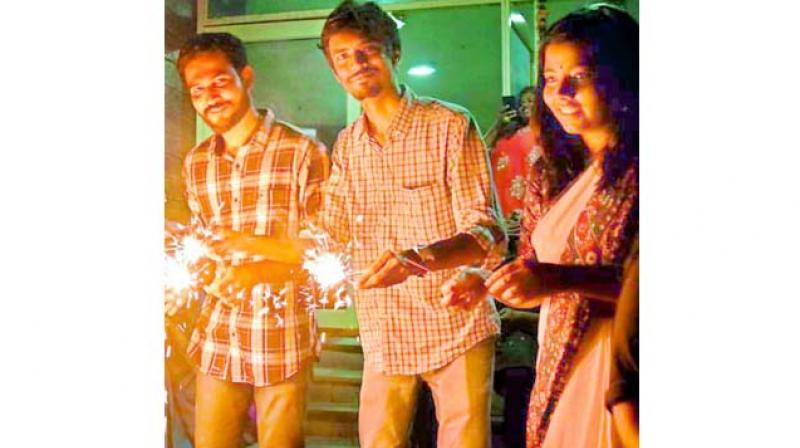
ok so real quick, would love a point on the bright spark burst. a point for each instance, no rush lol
(192, 249)
(178, 276)
(327, 268)
(331, 268)
(183, 252)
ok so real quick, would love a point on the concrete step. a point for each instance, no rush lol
(334, 425)
(341, 360)
(335, 393)
(347, 344)
(342, 411)
(338, 322)
(331, 442)
(337, 376)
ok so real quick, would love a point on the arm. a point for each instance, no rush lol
(480, 239)
(597, 282)
(622, 397)
(313, 172)
(524, 283)
(277, 259)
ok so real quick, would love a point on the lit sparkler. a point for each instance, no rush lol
(330, 269)
(183, 251)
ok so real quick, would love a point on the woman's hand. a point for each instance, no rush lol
(518, 285)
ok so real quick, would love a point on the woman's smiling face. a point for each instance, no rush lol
(570, 91)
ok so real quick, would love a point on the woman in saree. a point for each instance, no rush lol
(580, 215)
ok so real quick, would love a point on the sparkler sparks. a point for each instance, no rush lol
(330, 269)
(327, 268)
(183, 251)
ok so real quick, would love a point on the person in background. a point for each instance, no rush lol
(514, 145)
(255, 176)
(622, 397)
(580, 217)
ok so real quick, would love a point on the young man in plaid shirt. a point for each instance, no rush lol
(254, 177)
(410, 190)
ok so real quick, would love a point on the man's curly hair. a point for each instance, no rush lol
(367, 19)
(225, 43)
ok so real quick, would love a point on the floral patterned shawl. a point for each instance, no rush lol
(601, 236)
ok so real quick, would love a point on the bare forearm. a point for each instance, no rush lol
(460, 250)
(282, 250)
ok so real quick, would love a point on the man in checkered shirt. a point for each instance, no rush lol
(410, 191)
(254, 177)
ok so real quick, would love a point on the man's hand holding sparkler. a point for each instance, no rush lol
(236, 283)
(392, 268)
(229, 244)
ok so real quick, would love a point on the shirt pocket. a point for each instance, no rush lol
(428, 214)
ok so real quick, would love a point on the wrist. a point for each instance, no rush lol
(416, 260)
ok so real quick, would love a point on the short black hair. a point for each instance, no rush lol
(226, 43)
(367, 19)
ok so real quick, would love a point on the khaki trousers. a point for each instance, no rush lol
(461, 393)
(221, 411)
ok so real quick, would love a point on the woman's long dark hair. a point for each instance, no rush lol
(609, 37)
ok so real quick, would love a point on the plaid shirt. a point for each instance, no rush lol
(429, 182)
(269, 188)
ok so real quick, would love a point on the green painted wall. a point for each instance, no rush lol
(293, 78)
(222, 8)
(520, 64)
(463, 44)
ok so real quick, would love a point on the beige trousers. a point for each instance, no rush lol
(461, 393)
(221, 411)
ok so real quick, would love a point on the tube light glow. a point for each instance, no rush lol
(421, 70)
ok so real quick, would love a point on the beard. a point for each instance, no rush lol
(362, 92)
(225, 119)
(366, 87)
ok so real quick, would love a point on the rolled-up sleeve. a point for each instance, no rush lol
(473, 196)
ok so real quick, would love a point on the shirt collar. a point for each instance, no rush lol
(257, 140)
(400, 120)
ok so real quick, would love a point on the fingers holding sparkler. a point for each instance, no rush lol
(392, 268)
(228, 244)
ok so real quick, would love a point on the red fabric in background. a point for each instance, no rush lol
(511, 159)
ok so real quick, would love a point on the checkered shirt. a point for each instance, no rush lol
(269, 187)
(429, 182)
